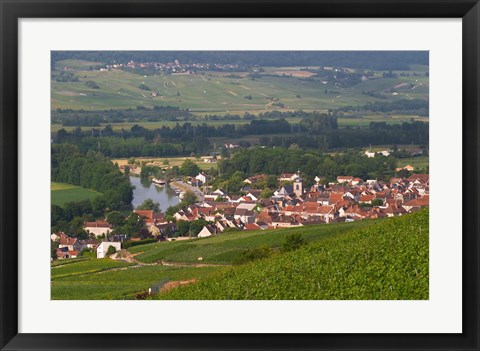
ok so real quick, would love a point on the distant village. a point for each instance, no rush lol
(348, 199)
(172, 67)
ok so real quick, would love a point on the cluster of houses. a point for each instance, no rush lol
(348, 199)
(172, 67)
(69, 247)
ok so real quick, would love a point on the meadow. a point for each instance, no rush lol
(213, 92)
(62, 193)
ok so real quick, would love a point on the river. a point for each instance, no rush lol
(145, 189)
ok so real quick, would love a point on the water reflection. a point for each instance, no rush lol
(145, 189)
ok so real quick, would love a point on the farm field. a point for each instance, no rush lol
(62, 193)
(342, 122)
(418, 162)
(87, 266)
(172, 161)
(210, 92)
(387, 261)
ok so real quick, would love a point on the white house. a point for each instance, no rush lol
(208, 230)
(202, 177)
(103, 248)
(98, 228)
(288, 177)
(344, 179)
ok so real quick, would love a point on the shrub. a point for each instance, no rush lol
(111, 250)
(92, 84)
(129, 244)
(292, 242)
(250, 255)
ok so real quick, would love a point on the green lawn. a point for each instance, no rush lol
(62, 193)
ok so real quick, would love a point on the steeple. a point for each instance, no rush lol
(298, 185)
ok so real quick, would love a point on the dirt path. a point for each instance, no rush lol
(399, 85)
(416, 86)
(187, 264)
(175, 284)
(128, 257)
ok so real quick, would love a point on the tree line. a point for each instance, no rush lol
(90, 170)
(275, 161)
(68, 117)
(317, 131)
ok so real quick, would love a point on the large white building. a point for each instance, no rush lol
(103, 248)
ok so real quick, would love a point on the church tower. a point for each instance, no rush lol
(298, 185)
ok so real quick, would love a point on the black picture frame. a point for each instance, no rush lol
(11, 11)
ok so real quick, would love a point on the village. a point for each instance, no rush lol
(349, 199)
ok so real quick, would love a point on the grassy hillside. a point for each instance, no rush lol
(209, 92)
(62, 193)
(386, 261)
(226, 248)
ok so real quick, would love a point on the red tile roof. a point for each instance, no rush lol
(97, 224)
(67, 241)
(145, 213)
(419, 202)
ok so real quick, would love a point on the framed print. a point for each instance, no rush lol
(217, 175)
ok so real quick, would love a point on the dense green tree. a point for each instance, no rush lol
(115, 218)
(189, 198)
(148, 204)
(189, 168)
(183, 228)
(132, 225)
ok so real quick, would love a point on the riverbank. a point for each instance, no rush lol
(187, 187)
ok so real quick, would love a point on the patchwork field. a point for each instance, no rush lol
(209, 92)
(62, 193)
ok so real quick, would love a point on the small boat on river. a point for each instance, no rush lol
(158, 181)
